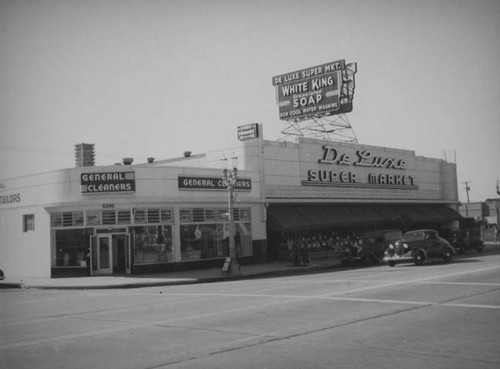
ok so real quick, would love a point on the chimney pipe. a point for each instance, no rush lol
(128, 161)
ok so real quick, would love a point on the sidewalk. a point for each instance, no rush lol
(169, 279)
(187, 277)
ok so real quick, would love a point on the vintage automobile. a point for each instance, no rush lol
(369, 249)
(418, 246)
(467, 239)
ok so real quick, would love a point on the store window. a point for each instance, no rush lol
(140, 216)
(204, 233)
(166, 216)
(108, 217)
(151, 244)
(67, 219)
(93, 218)
(124, 217)
(72, 247)
(111, 217)
(28, 222)
(153, 215)
(202, 241)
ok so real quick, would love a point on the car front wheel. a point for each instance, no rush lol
(419, 258)
(447, 255)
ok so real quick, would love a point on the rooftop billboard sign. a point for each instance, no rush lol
(325, 89)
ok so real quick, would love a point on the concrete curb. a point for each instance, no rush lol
(170, 282)
(10, 285)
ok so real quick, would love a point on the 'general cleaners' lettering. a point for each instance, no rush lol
(119, 187)
(108, 182)
(103, 177)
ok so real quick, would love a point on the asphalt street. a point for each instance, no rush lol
(433, 316)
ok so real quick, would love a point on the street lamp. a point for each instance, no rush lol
(229, 180)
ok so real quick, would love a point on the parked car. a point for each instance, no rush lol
(418, 246)
(467, 239)
(2, 276)
(369, 249)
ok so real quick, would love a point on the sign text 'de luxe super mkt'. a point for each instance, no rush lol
(321, 90)
(107, 182)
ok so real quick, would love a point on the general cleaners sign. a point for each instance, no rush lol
(108, 182)
(211, 183)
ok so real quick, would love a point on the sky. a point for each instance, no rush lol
(157, 78)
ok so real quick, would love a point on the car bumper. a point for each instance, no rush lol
(398, 259)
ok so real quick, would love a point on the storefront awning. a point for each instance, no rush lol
(286, 217)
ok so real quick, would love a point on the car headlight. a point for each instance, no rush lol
(405, 246)
(391, 246)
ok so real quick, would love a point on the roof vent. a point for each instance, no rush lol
(151, 160)
(187, 154)
(128, 161)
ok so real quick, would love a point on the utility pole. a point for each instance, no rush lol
(467, 189)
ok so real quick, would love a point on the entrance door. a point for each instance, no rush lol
(104, 255)
(110, 253)
(121, 252)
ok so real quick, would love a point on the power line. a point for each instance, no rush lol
(38, 150)
(42, 150)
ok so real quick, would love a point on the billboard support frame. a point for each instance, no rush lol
(333, 128)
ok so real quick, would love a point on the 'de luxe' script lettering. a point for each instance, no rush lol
(364, 158)
(367, 159)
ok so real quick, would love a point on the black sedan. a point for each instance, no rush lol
(418, 246)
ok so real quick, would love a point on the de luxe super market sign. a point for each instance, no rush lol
(338, 166)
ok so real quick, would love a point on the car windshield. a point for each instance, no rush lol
(414, 236)
(372, 239)
(393, 236)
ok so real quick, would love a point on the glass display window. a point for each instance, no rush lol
(93, 218)
(201, 241)
(151, 244)
(140, 216)
(124, 217)
(108, 217)
(72, 247)
(186, 215)
(153, 215)
(166, 216)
